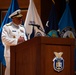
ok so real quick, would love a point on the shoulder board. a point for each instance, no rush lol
(21, 25)
(9, 24)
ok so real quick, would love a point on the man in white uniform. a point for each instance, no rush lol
(13, 33)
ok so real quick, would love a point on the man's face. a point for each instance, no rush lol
(17, 20)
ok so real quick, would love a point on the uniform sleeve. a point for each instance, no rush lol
(24, 34)
(6, 39)
(25, 37)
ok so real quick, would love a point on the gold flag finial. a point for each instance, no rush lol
(53, 1)
(67, 1)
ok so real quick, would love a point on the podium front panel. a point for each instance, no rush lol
(48, 56)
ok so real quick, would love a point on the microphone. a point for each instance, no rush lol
(38, 26)
(35, 25)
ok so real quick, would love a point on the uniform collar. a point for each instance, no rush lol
(15, 25)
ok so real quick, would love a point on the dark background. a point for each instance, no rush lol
(60, 7)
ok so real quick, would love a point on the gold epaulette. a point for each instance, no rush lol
(9, 24)
(21, 25)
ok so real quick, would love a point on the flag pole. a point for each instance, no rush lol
(67, 1)
(53, 1)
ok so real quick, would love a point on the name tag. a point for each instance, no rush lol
(13, 30)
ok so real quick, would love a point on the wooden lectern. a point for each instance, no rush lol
(35, 56)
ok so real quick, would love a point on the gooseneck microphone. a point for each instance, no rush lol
(38, 26)
(35, 25)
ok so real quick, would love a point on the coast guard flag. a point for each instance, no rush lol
(52, 23)
(33, 22)
(66, 25)
(13, 6)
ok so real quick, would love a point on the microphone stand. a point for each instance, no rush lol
(40, 29)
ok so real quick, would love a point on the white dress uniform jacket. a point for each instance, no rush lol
(10, 34)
